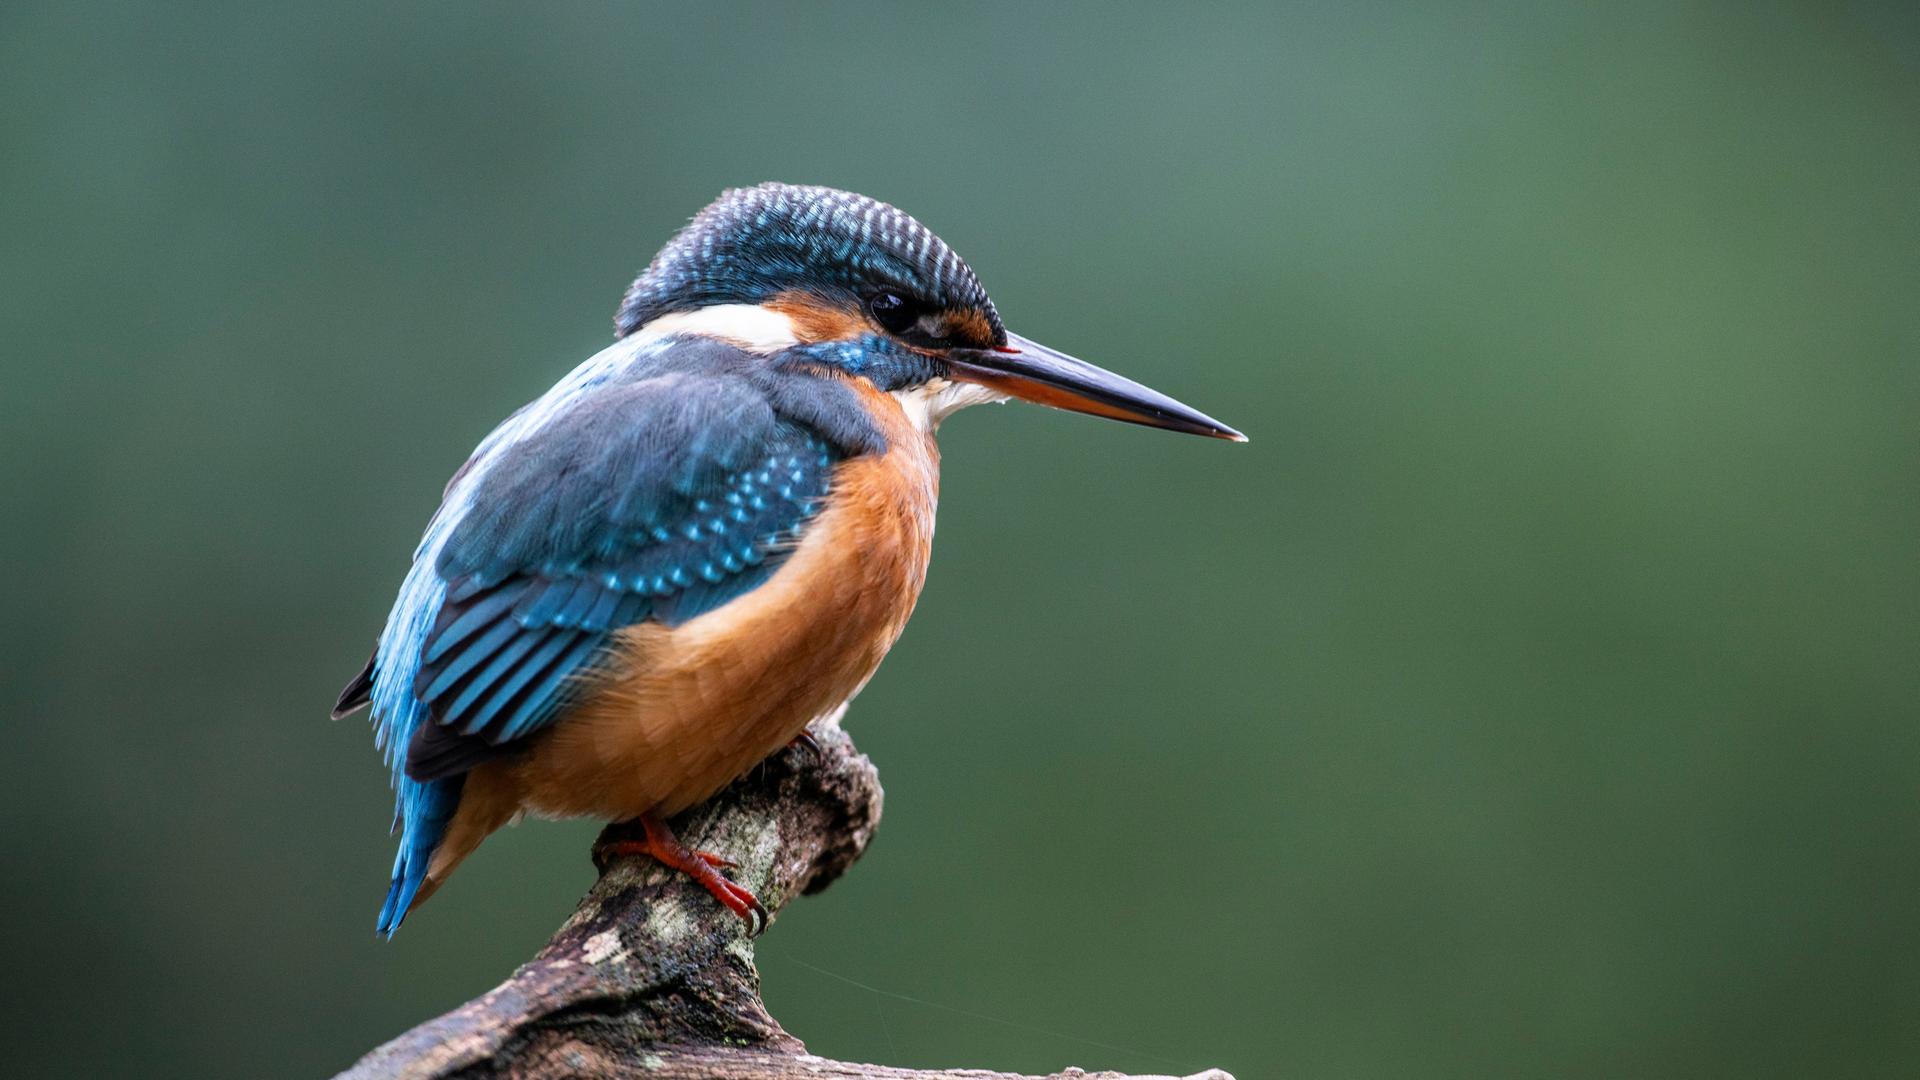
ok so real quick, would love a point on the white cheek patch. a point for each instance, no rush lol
(928, 404)
(749, 326)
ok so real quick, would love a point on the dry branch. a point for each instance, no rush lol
(650, 977)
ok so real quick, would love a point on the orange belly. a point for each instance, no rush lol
(683, 711)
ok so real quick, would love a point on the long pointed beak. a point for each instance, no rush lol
(1032, 372)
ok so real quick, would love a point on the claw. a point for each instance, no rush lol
(806, 741)
(702, 866)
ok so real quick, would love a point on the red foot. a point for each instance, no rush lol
(702, 866)
(805, 739)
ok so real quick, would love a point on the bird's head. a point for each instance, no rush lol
(850, 283)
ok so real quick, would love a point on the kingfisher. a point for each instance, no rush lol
(703, 538)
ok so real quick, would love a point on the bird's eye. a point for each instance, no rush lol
(892, 312)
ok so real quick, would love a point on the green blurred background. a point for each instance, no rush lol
(1534, 696)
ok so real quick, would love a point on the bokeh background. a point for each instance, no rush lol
(1534, 696)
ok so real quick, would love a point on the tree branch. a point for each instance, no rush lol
(651, 977)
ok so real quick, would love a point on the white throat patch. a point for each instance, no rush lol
(934, 401)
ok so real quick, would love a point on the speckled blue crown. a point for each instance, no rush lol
(752, 243)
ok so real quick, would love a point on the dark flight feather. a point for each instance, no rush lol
(359, 690)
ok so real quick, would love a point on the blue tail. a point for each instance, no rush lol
(422, 812)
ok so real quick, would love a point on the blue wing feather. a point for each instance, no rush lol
(588, 595)
(654, 482)
(506, 689)
(471, 617)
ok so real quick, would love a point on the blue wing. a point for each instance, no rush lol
(659, 500)
(657, 487)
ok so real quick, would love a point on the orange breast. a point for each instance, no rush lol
(688, 709)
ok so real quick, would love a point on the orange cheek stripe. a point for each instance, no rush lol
(971, 327)
(814, 320)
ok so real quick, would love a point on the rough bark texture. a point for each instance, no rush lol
(651, 977)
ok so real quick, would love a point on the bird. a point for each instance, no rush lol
(703, 538)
